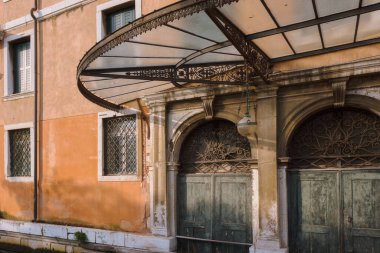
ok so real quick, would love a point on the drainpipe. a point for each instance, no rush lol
(35, 185)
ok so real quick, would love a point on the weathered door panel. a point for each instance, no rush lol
(215, 207)
(232, 212)
(361, 198)
(313, 212)
(195, 203)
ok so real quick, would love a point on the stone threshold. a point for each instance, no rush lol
(61, 238)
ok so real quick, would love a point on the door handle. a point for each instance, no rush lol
(349, 219)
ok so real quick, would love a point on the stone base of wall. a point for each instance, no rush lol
(61, 239)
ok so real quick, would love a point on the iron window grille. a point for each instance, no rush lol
(20, 153)
(120, 142)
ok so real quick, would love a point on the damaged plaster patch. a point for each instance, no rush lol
(270, 223)
(370, 92)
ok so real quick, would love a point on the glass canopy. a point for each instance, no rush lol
(219, 42)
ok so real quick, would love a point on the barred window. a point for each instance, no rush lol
(20, 153)
(120, 144)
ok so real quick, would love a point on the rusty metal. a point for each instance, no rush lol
(337, 138)
(215, 147)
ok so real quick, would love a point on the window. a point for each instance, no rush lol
(19, 147)
(19, 152)
(120, 18)
(119, 146)
(115, 14)
(19, 65)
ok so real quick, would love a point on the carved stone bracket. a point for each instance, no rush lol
(339, 91)
(208, 106)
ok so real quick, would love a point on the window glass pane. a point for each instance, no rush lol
(20, 154)
(328, 7)
(120, 18)
(21, 67)
(339, 32)
(120, 146)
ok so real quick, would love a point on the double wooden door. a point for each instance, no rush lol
(214, 211)
(334, 211)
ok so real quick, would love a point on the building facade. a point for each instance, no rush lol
(163, 167)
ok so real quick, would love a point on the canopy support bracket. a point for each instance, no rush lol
(253, 55)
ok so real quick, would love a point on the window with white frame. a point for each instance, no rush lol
(18, 152)
(119, 146)
(21, 66)
(115, 14)
(18, 64)
(119, 18)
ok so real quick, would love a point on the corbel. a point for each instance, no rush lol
(339, 88)
(208, 108)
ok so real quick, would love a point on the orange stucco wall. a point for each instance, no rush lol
(69, 190)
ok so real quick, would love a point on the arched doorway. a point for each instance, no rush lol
(334, 183)
(214, 190)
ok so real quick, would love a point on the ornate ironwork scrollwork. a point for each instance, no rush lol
(215, 147)
(337, 138)
(257, 59)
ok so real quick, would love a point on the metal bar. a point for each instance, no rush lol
(89, 72)
(117, 86)
(213, 241)
(159, 45)
(277, 24)
(317, 21)
(139, 57)
(357, 22)
(126, 93)
(35, 117)
(337, 169)
(203, 51)
(327, 50)
(252, 54)
(193, 34)
(319, 26)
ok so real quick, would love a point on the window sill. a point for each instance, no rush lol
(129, 178)
(19, 179)
(18, 96)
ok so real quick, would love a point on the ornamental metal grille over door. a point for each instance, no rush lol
(334, 183)
(214, 191)
(337, 138)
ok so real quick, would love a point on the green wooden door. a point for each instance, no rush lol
(313, 212)
(215, 207)
(361, 216)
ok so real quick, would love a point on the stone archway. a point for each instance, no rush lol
(214, 190)
(333, 180)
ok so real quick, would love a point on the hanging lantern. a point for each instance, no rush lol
(247, 125)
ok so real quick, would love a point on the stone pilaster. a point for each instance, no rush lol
(158, 176)
(172, 197)
(268, 238)
(283, 163)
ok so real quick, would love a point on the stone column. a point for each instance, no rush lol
(172, 197)
(255, 203)
(158, 205)
(283, 200)
(268, 238)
